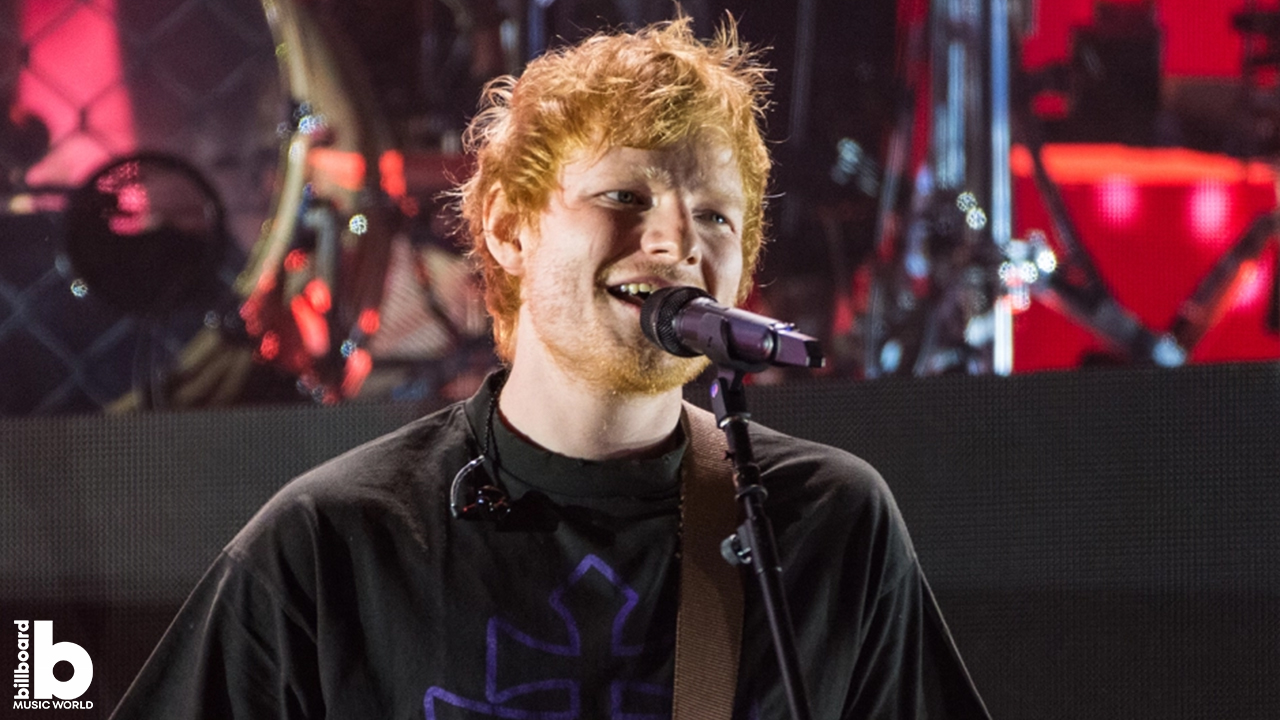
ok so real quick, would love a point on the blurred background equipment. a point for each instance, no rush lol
(85, 87)
(147, 232)
(1112, 78)
(1082, 281)
(936, 303)
(1120, 215)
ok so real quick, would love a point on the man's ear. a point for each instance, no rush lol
(502, 233)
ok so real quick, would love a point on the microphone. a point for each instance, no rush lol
(687, 321)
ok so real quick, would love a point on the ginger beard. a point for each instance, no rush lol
(600, 344)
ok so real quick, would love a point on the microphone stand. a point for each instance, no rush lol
(754, 544)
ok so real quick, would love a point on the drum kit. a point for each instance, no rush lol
(348, 267)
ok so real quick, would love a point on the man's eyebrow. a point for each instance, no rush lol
(648, 173)
(653, 172)
(725, 196)
(635, 173)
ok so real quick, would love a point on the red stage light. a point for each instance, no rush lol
(317, 292)
(1210, 211)
(1118, 200)
(369, 321)
(312, 327)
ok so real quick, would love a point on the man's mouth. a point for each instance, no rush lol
(634, 293)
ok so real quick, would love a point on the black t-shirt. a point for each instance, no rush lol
(354, 594)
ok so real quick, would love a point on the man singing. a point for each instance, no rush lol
(378, 586)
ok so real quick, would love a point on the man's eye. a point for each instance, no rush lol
(626, 197)
(715, 217)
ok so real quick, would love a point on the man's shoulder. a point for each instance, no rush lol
(789, 459)
(825, 484)
(393, 459)
(822, 497)
(394, 478)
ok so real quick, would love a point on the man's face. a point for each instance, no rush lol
(621, 225)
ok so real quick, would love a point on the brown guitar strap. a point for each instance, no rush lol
(709, 619)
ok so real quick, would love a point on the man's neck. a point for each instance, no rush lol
(563, 414)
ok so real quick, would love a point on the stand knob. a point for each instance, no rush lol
(734, 552)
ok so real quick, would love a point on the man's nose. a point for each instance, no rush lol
(669, 233)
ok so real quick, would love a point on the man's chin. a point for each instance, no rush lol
(646, 373)
(669, 374)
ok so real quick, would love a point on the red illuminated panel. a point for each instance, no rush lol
(1235, 336)
(74, 65)
(1198, 38)
(1154, 222)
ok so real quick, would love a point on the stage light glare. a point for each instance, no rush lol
(917, 266)
(1210, 209)
(1028, 273)
(1250, 286)
(1007, 273)
(1046, 260)
(358, 225)
(1021, 298)
(890, 356)
(311, 124)
(1168, 353)
(1118, 200)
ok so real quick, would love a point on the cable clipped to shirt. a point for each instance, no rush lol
(481, 499)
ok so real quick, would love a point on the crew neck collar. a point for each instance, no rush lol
(523, 465)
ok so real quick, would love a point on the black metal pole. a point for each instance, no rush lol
(754, 542)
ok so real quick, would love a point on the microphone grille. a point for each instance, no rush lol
(658, 316)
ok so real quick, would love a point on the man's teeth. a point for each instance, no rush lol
(641, 290)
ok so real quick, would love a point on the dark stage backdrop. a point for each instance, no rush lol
(1104, 544)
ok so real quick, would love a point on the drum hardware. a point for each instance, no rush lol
(309, 294)
(935, 290)
(932, 273)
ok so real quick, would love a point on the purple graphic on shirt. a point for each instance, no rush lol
(498, 701)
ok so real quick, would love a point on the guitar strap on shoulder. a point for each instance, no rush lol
(709, 618)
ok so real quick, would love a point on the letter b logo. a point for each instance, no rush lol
(46, 654)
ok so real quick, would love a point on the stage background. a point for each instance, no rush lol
(1102, 543)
